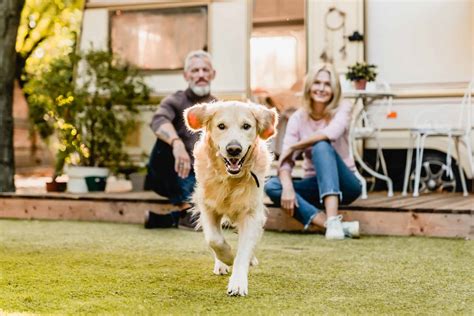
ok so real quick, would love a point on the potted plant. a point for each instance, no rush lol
(361, 73)
(86, 120)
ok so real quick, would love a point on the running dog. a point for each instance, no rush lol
(231, 161)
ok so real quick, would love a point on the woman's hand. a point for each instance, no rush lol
(286, 155)
(288, 200)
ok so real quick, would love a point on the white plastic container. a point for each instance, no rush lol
(77, 174)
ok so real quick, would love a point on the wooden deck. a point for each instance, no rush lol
(441, 215)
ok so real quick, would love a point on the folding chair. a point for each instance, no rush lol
(440, 126)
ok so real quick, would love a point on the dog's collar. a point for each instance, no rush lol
(255, 178)
(251, 172)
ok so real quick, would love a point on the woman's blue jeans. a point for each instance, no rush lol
(333, 177)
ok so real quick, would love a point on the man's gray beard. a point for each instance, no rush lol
(201, 91)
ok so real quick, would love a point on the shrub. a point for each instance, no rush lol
(88, 118)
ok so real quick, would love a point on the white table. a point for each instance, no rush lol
(366, 98)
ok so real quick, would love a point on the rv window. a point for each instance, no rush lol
(274, 62)
(158, 38)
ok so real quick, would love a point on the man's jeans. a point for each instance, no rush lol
(187, 188)
(163, 179)
(333, 177)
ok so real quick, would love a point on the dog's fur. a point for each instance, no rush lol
(226, 188)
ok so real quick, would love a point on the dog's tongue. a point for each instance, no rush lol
(234, 164)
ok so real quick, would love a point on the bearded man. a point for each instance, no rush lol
(170, 171)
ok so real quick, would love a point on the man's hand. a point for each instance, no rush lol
(182, 162)
(288, 200)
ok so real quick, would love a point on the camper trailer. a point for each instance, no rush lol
(423, 50)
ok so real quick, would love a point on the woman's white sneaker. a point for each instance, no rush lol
(351, 229)
(334, 229)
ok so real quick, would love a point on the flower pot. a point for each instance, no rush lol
(95, 183)
(360, 84)
(77, 175)
(138, 181)
(54, 186)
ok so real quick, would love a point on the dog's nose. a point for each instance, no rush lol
(234, 149)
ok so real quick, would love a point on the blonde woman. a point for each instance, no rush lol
(320, 130)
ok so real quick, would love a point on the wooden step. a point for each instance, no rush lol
(440, 215)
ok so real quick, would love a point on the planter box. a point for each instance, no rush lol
(77, 175)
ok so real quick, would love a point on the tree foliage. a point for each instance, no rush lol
(48, 29)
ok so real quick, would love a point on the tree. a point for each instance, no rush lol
(48, 29)
(10, 11)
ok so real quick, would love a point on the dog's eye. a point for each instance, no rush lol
(221, 126)
(246, 126)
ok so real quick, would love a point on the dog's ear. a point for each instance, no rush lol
(267, 119)
(195, 116)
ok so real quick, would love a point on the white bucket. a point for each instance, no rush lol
(77, 174)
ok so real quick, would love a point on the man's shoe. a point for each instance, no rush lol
(189, 221)
(351, 229)
(154, 220)
(334, 230)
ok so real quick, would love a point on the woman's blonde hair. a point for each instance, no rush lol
(331, 107)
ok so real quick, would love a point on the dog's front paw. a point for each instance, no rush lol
(238, 285)
(254, 262)
(220, 268)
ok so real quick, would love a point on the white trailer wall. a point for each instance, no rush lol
(425, 50)
(421, 43)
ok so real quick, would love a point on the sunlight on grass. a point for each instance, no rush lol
(73, 267)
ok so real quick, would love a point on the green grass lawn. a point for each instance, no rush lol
(88, 268)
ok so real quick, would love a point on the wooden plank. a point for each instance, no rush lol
(389, 202)
(411, 203)
(279, 220)
(124, 212)
(373, 220)
(459, 204)
(444, 205)
(146, 196)
(413, 224)
(388, 223)
(443, 200)
(379, 202)
(403, 204)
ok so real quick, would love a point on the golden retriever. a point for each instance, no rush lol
(231, 161)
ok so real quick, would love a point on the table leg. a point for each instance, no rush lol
(374, 173)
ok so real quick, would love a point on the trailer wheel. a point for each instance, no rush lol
(434, 175)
